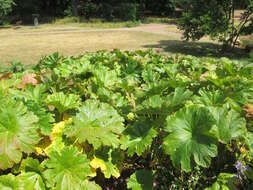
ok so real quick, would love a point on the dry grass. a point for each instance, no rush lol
(29, 47)
(28, 44)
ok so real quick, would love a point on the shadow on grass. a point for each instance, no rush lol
(5, 27)
(198, 49)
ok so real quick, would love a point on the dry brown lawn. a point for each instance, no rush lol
(28, 44)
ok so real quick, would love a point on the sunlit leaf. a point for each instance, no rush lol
(67, 169)
(63, 102)
(229, 124)
(18, 133)
(9, 182)
(190, 137)
(98, 124)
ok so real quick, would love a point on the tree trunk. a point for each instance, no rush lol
(74, 7)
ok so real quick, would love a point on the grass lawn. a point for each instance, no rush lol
(27, 44)
(28, 48)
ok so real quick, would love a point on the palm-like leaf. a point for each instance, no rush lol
(98, 123)
(190, 137)
(63, 102)
(18, 133)
(31, 181)
(67, 170)
(210, 98)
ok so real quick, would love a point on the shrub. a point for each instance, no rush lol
(127, 120)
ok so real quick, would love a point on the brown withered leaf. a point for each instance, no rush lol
(248, 108)
(5, 76)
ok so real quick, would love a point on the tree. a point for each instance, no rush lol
(5, 8)
(75, 7)
(214, 18)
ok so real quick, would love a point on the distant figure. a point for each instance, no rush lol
(36, 19)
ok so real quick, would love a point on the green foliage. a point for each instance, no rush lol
(229, 124)
(190, 137)
(98, 124)
(225, 181)
(31, 181)
(67, 170)
(141, 180)
(118, 120)
(18, 132)
(5, 8)
(138, 137)
(109, 162)
(214, 18)
(63, 102)
(8, 182)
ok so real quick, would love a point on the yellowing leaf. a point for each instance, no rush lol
(98, 163)
(56, 145)
(93, 173)
(39, 150)
(58, 128)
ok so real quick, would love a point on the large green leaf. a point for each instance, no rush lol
(18, 133)
(63, 102)
(229, 124)
(138, 137)
(141, 180)
(9, 182)
(67, 170)
(98, 123)
(190, 137)
(106, 78)
(31, 181)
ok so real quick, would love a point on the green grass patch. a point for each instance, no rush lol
(94, 23)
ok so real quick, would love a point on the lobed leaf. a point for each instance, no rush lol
(97, 123)
(67, 169)
(18, 133)
(190, 137)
